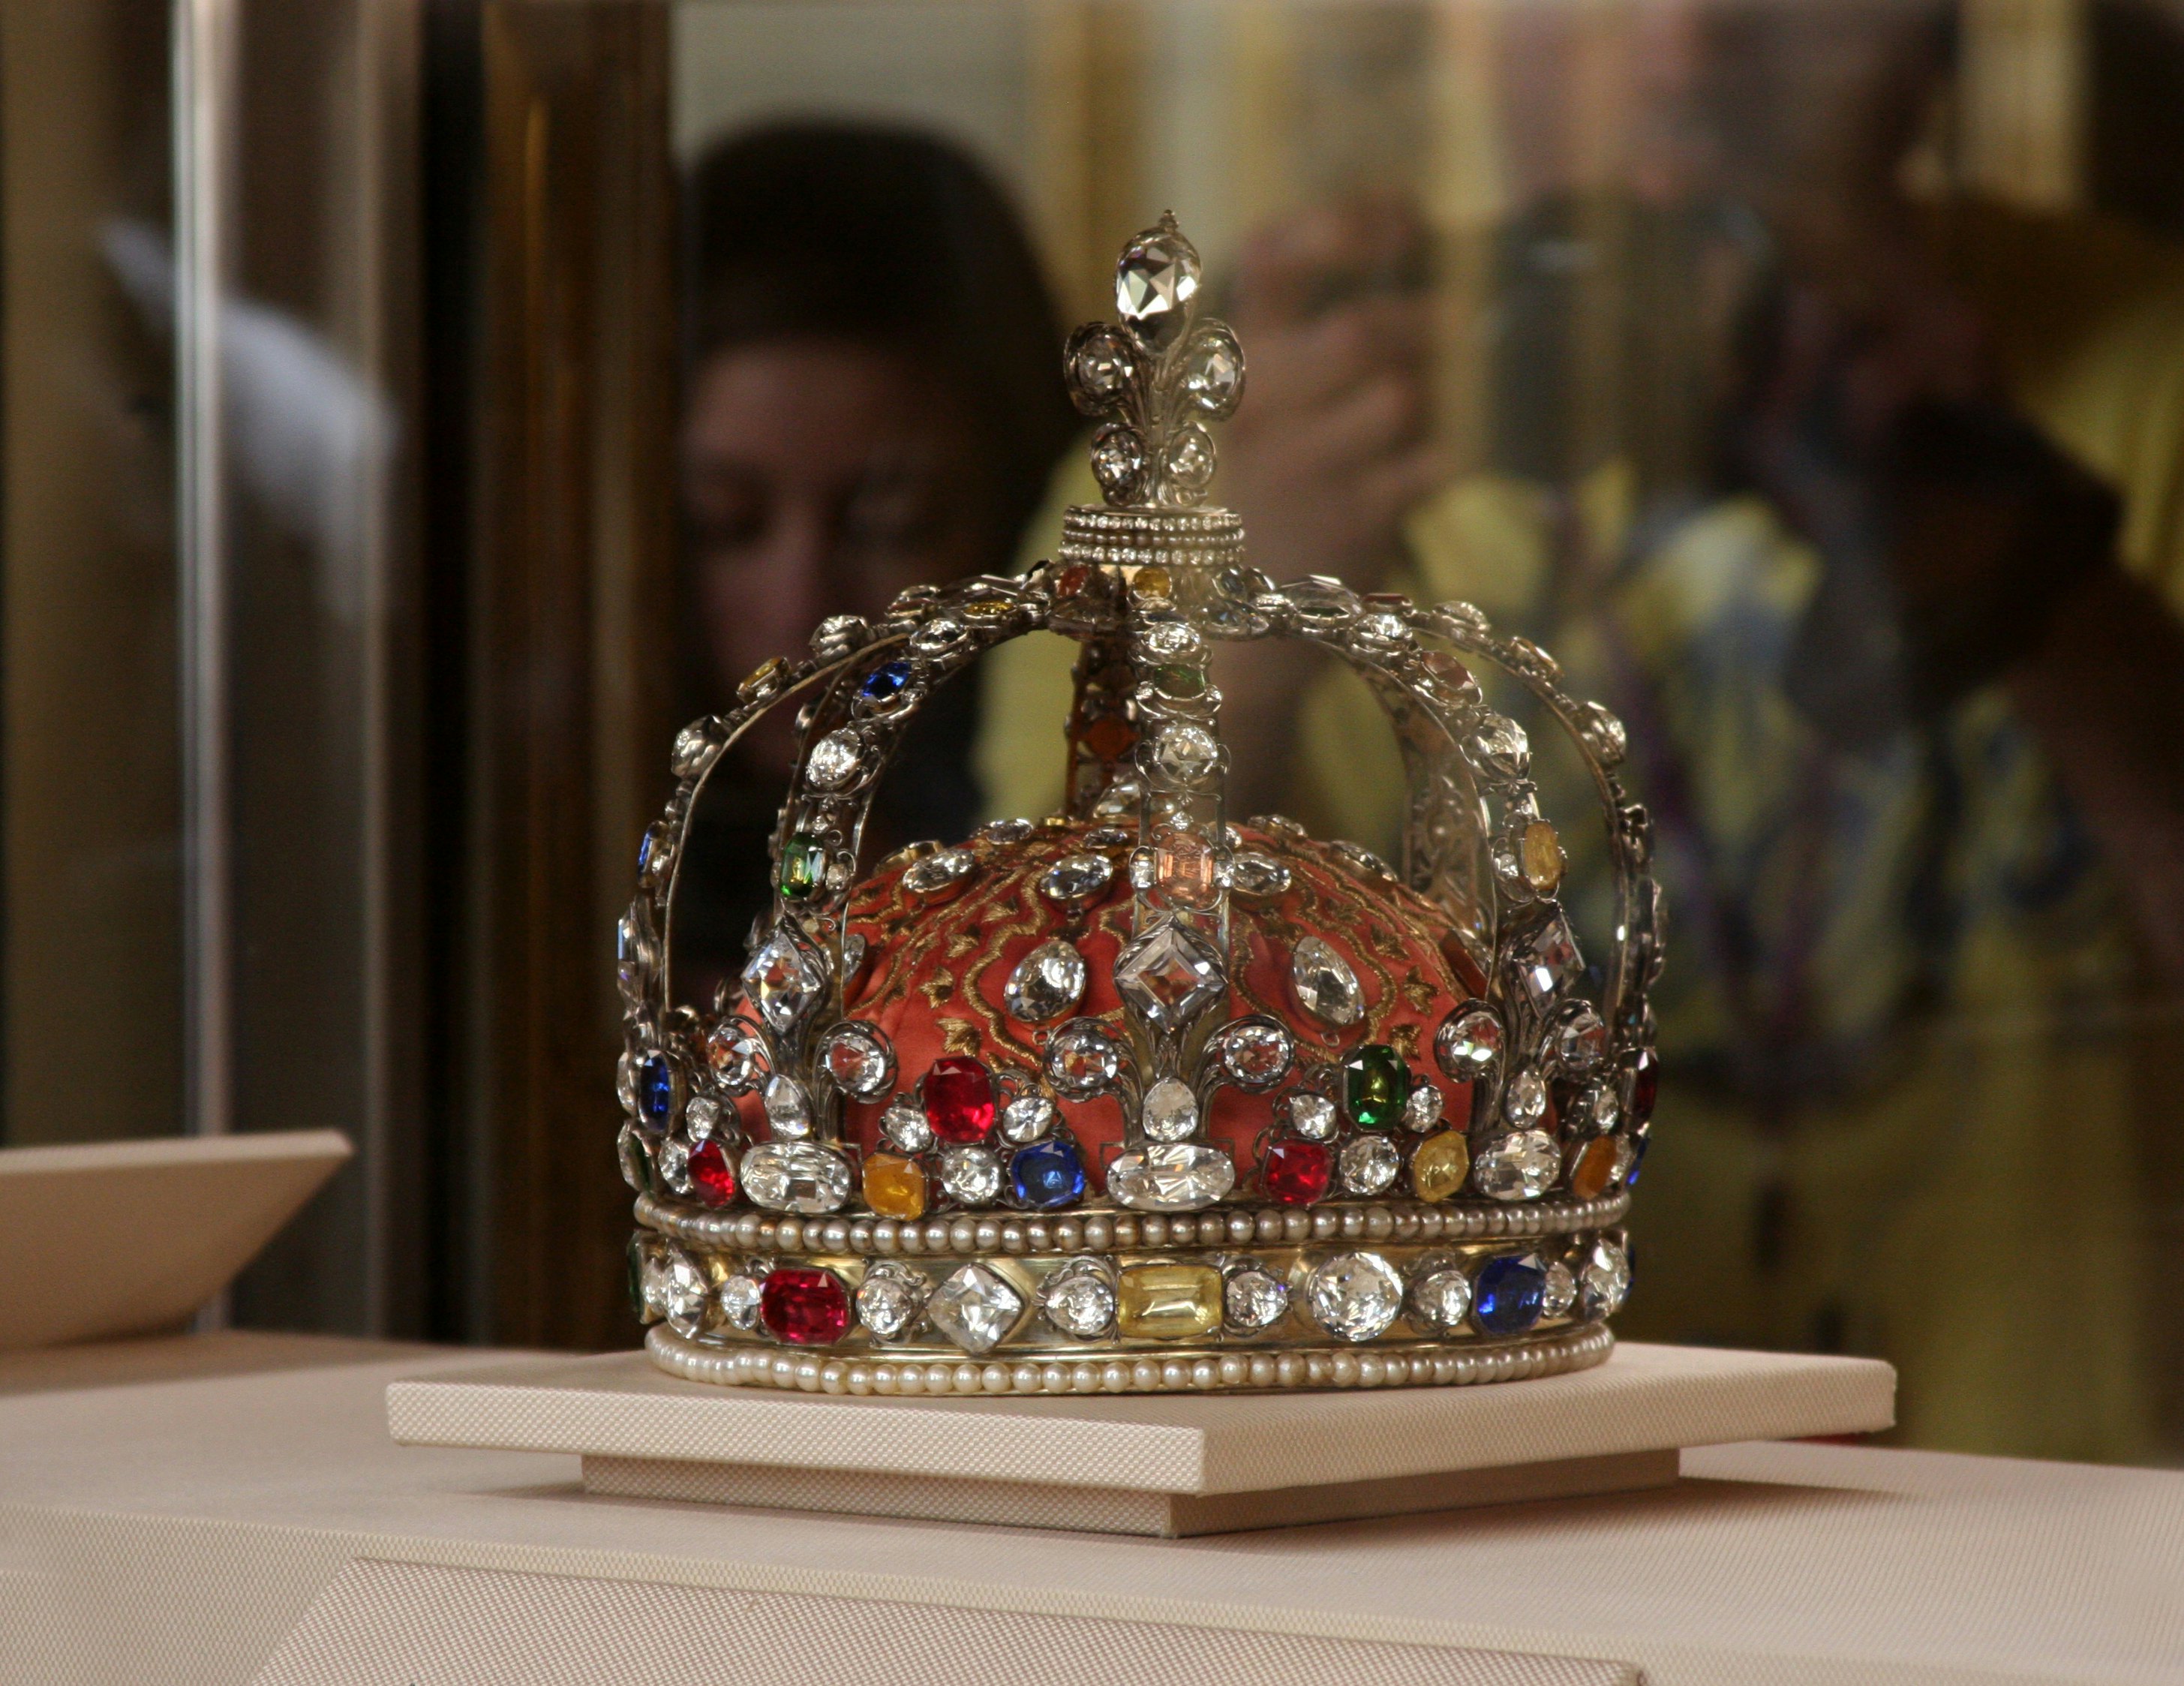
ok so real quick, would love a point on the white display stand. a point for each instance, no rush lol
(1160, 1465)
(227, 1511)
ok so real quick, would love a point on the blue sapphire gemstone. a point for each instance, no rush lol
(1047, 1175)
(884, 681)
(655, 1092)
(1637, 1158)
(1505, 1300)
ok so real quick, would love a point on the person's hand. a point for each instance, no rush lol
(1949, 525)
(1330, 448)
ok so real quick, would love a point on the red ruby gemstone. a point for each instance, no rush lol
(1643, 1083)
(959, 1099)
(807, 1307)
(1294, 1173)
(712, 1174)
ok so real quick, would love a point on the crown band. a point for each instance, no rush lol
(969, 1236)
(1150, 1301)
(1177, 1373)
(1151, 538)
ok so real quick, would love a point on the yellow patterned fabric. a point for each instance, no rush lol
(1909, 1066)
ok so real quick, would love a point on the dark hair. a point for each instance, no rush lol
(884, 236)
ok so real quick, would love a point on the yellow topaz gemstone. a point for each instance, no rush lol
(1543, 857)
(1594, 1169)
(1441, 1164)
(760, 677)
(1152, 581)
(1168, 1302)
(895, 1187)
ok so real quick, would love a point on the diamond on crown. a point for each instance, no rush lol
(1170, 975)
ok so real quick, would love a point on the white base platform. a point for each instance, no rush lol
(228, 1511)
(1153, 1464)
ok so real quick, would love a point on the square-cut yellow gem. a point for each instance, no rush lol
(895, 1187)
(1168, 1302)
(1439, 1165)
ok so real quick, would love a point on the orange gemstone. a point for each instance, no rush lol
(1594, 1168)
(1441, 665)
(1543, 859)
(895, 1187)
(1111, 738)
(1072, 580)
(1183, 869)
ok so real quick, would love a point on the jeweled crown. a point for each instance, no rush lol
(1131, 1099)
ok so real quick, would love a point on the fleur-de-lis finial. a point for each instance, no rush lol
(1159, 373)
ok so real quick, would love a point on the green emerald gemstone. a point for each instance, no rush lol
(633, 1256)
(1376, 1083)
(803, 866)
(1179, 681)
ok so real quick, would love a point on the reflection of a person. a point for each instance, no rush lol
(1896, 636)
(874, 402)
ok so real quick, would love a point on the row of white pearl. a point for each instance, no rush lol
(758, 1232)
(1432, 1367)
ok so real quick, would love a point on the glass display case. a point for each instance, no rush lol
(211, 712)
(443, 403)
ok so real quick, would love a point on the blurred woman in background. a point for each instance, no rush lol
(873, 401)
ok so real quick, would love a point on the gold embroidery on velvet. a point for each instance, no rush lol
(1390, 945)
(946, 956)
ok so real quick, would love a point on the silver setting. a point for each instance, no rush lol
(976, 1307)
(1354, 1296)
(891, 1299)
(1079, 1298)
(1047, 982)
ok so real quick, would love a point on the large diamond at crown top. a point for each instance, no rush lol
(1155, 282)
(1170, 975)
(785, 980)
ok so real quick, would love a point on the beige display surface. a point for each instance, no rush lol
(396, 1624)
(1160, 1464)
(175, 1218)
(224, 1530)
